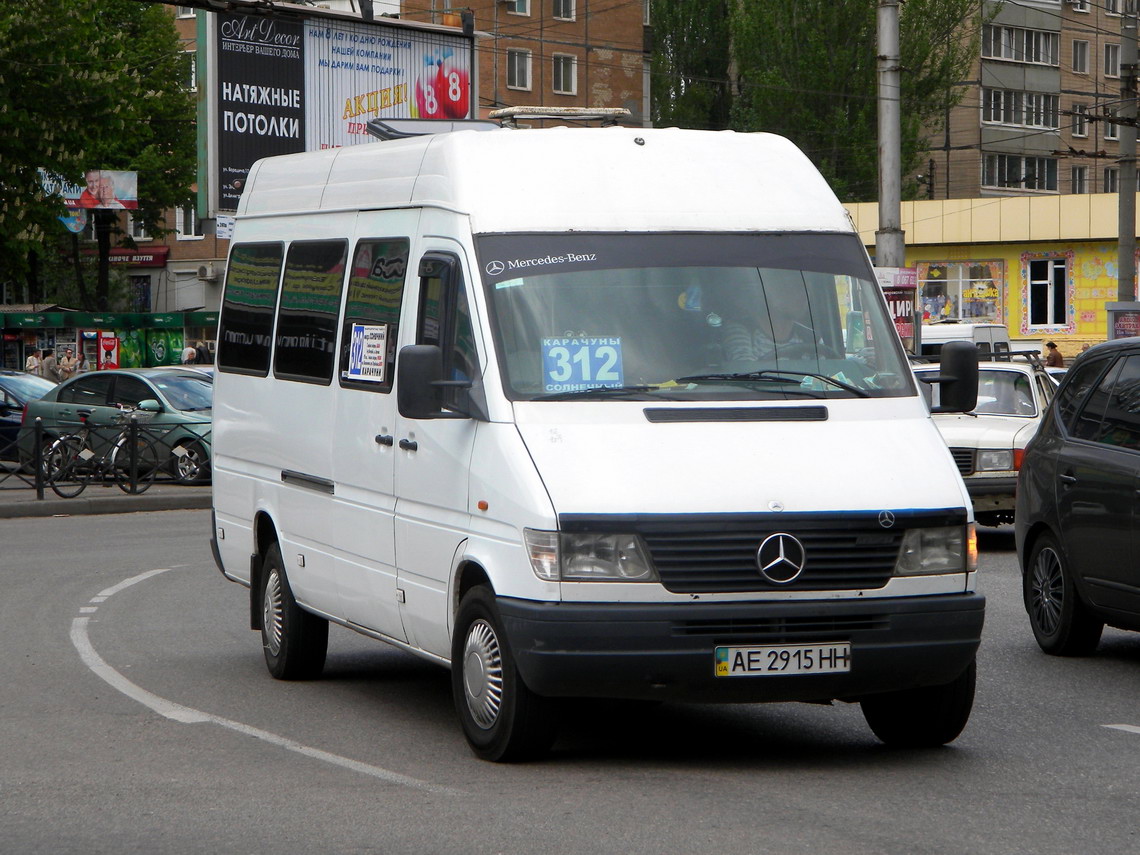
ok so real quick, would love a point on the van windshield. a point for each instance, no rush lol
(689, 316)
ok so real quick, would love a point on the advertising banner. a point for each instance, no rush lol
(261, 107)
(102, 188)
(285, 87)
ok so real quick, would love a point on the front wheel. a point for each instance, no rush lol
(1061, 623)
(191, 463)
(503, 720)
(295, 641)
(925, 717)
(134, 472)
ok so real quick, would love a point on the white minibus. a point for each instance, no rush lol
(588, 413)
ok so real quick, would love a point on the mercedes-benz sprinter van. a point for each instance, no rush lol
(588, 413)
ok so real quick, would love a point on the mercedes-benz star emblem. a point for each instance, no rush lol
(781, 558)
(886, 519)
(494, 268)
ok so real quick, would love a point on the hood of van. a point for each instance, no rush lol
(609, 458)
(963, 431)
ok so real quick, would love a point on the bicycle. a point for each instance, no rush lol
(71, 461)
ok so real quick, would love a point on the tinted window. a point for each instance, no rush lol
(185, 391)
(92, 391)
(245, 328)
(372, 314)
(1120, 425)
(306, 318)
(132, 391)
(1079, 381)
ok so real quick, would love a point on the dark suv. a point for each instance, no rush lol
(1077, 521)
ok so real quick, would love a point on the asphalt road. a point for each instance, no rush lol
(136, 715)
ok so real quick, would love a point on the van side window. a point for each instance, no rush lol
(372, 313)
(245, 328)
(445, 319)
(306, 319)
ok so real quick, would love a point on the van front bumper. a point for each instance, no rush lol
(666, 651)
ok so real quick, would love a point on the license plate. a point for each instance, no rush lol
(781, 659)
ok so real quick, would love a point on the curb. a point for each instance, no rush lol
(83, 505)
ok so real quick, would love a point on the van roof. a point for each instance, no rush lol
(560, 179)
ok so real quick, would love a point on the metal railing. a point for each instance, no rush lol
(130, 453)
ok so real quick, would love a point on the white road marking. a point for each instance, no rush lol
(189, 715)
(1127, 728)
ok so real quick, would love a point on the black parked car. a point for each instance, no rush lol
(1078, 520)
(16, 389)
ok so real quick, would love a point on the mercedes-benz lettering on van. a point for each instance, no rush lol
(593, 412)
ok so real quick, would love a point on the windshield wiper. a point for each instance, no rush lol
(777, 376)
(634, 393)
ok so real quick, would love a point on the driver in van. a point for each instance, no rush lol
(757, 331)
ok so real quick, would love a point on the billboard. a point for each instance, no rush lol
(102, 188)
(284, 86)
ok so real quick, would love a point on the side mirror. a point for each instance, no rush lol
(150, 405)
(957, 378)
(418, 368)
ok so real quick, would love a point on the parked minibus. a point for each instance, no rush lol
(588, 413)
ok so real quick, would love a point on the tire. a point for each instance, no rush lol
(295, 641)
(1061, 623)
(502, 719)
(65, 467)
(192, 466)
(925, 717)
(147, 464)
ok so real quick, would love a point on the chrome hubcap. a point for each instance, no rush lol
(273, 613)
(483, 674)
(1046, 591)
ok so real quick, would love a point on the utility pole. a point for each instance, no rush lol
(1126, 190)
(890, 249)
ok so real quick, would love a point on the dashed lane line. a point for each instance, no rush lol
(1127, 728)
(188, 715)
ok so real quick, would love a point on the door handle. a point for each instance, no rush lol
(384, 439)
(1068, 479)
(409, 444)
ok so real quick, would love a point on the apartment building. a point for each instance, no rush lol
(556, 53)
(1036, 116)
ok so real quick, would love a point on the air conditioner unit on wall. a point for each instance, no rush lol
(207, 272)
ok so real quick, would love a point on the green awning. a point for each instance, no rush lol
(37, 319)
(166, 320)
(201, 319)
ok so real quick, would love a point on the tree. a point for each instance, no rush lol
(808, 70)
(106, 90)
(690, 83)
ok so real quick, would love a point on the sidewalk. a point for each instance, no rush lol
(15, 503)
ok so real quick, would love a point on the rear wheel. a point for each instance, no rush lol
(66, 466)
(925, 717)
(294, 640)
(1061, 623)
(503, 720)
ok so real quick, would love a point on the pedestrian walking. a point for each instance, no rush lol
(202, 356)
(33, 364)
(189, 354)
(81, 364)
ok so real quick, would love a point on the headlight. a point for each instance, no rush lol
(949, 549)
(588, 557)
(995, 461)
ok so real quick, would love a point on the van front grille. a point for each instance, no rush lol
(719, 553)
